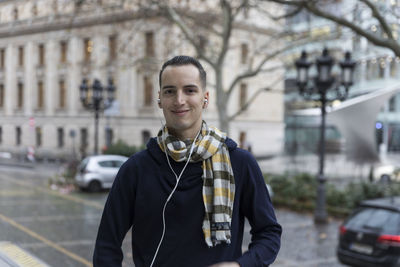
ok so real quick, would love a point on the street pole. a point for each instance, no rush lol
(323, 82)
(96, 102)
(320, 215)
(96, 129)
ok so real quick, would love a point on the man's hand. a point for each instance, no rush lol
(226, 264)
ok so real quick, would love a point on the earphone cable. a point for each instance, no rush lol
(172, 192)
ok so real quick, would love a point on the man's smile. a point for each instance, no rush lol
(180, 112)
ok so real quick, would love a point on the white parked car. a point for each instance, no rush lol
(386, 173)
(98, 172)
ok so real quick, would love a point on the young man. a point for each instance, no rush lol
(187, 194)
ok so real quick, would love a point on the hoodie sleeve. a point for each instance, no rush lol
(257, 207)
(116, 220)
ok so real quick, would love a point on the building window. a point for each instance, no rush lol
(148, 91)
(40, 95)
(62, 94)
(1, 95)
(243, 95)
(60, 137)
(34, 10)
(145, 137)
(109, 136)
(15, 13)
(393, 68)
(21, 56)
(392, 104)
(244, 53)
(41, 54)
(150, 44)
(20, 100)
(2, 58)
(18, 134)
(382, 66)
(372, 69)
(112, 44)
(242, 140)
(63, 51)
(38, 136)
(88, 48)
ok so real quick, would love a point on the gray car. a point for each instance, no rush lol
(98, 172)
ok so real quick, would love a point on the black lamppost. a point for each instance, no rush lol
(323, 88)
(92, 99)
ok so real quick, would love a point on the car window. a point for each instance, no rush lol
(106, 164)
(117, 163)
(83, 164)
(385, 221)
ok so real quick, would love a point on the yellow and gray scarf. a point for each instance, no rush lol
(218, 180)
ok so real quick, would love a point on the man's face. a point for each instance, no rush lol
(182, 100)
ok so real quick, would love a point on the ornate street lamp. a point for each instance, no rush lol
(325, 89)
(93, 100)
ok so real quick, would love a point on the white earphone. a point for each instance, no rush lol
(178, 178)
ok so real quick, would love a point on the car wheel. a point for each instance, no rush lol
(385, 179)
(94, 186)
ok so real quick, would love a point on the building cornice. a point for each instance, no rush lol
(60, 22)
(69, 21)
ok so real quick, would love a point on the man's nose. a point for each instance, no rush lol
(180, 98)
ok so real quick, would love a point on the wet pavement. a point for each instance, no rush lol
(60, 228)
(305, 244)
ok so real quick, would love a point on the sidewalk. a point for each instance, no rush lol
(337, 167)
(305, 244)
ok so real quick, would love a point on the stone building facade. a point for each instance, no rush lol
(48, 46)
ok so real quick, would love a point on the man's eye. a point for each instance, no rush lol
(167, 92)
(191, 90)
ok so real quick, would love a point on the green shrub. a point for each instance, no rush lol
(300, 187)
(335, 197)
(122, 148)
(298, 192)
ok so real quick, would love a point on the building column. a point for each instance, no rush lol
(73, 76)
(29, 79)
(51, 84)
(10, 80)
(100, 56)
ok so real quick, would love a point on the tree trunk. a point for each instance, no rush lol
(222, 101)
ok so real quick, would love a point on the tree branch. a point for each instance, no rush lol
(290, 14)
(311, 7)
(379, 17)
(254, 97)
(175, 18)
(227, 30)
(254, 72)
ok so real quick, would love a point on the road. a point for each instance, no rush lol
(59, 227)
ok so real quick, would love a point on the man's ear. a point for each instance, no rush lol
(159, 100)
(206, 100)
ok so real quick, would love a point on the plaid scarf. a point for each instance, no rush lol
(218, 180)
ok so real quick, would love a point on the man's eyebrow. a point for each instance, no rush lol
(191, 85)
(168, 87)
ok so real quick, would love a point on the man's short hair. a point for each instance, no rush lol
(185, 60)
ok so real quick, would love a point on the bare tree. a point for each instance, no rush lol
(386, 16)
(213, 32)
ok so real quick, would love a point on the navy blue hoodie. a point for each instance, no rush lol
(137, 197)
